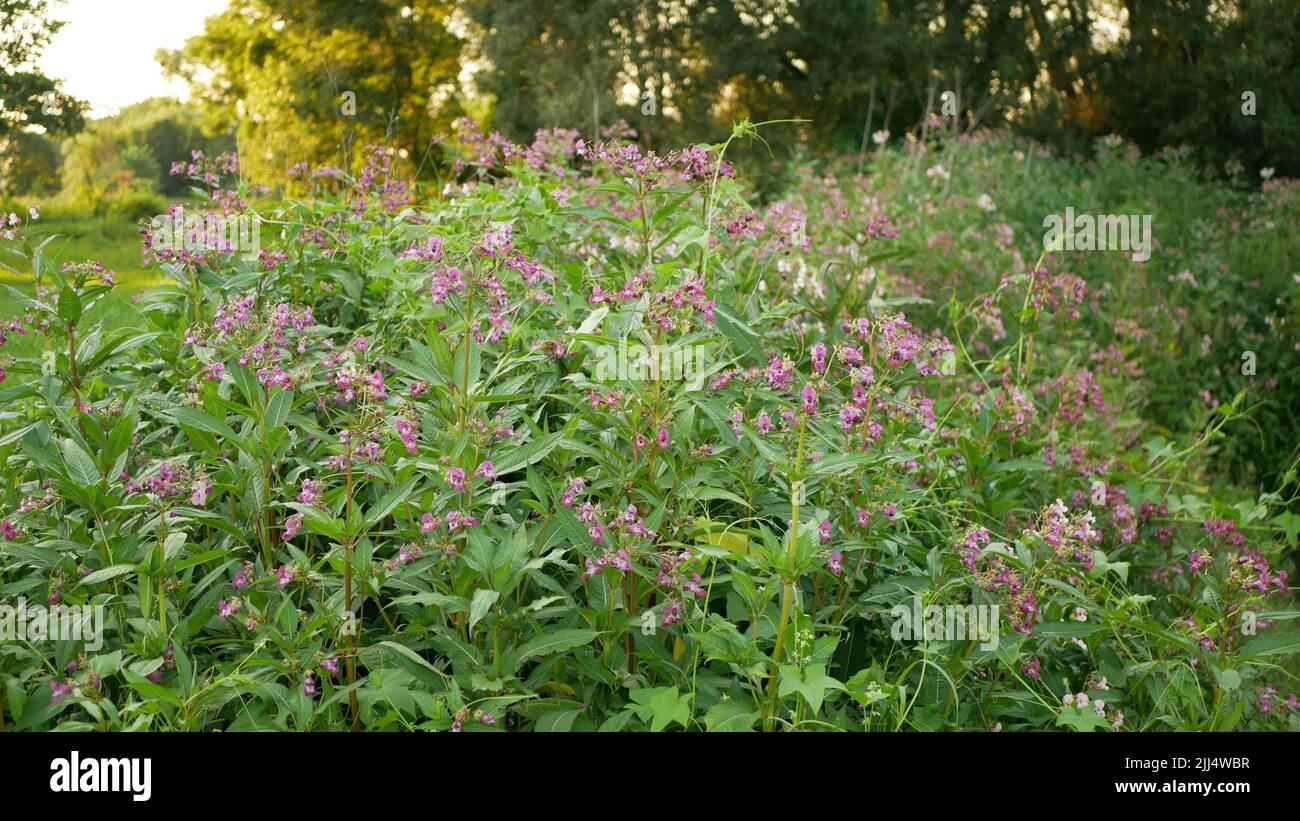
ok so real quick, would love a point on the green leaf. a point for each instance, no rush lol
(69, 305)
(108, 573)
(1081, 719)
(390, 500)
(1274, 645)
(246, 381)
(556, 642)
(812, 684)
(277, 409)
(1290, 525)
(661, 706)
(482, 603)
(81, 467)
(201, 421)
(529, 454)
(730, 717)
(411, 661)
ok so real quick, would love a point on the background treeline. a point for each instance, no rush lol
(294, 81)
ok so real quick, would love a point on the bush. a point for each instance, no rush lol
(406, 468)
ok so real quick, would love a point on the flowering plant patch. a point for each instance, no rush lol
(375, 476)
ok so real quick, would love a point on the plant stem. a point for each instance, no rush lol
(787, 594)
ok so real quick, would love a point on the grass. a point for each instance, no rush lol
(113, 241)
(77, 237)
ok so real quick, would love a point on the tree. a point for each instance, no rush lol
(27, 97)
(313, 81)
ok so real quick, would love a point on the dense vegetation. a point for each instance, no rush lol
(369, 478)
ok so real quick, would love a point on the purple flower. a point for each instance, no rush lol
(285, 574)
(309, 687)
(291, 527)
(58, 690)
(330, 666)
(819, 358)
(663, 439)
(809, 395)
(456, 478)
(826, 530)
(834, 563)
(695, 585)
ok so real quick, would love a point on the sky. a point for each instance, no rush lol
(104, 54)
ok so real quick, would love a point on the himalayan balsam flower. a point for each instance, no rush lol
(835, 562)
(291, 527)
(819, 358)
(456, 479)
(58, 690)
(809, 396)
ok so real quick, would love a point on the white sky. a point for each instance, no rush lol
(104, 54)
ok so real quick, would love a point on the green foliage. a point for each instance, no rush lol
(372, 478)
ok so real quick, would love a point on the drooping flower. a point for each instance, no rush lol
(835, 562)
(809, 397)
(819, 358)
(58, 690)
(291, 527)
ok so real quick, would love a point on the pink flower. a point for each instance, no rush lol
(835, 562)
(58, 690)
(456, 478)
(695, 585)
(285, 575)
(291, 527)
(663, 438)
(809, 395)
(819, 358)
